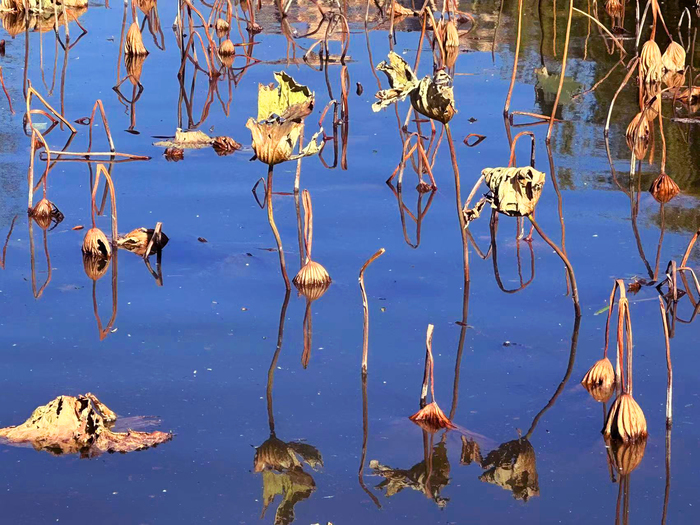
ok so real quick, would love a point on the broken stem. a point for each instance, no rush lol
(365, 326)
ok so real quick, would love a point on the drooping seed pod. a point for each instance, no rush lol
(601, 373)
(274, 454)
(95, 243)
(638, 134)
(664, 188)
(431, 418)
(601, 393)
(133, 46)
(225, 145)
(613, 8)
(450, 34)
(95, 267)
(136, 241)
(222, 27)
(626, 420)
(626, 456)
(673, 58)
(134, 67)
(43, 213)
(226, 52)
(650, 65)
(312, 273)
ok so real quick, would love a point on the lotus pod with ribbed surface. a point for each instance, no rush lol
(222, 27)
(95, 243)
(133, 46)
(95, 267)
(638, 134)
(601, 373)
(431, 418)
(650, 65)
(42, 213)
(627, 456)
(673, 58)
(664, 188)
(626, 420)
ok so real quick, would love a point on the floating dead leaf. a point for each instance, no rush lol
(174, 154)
(636, 286)
(434, 97)
(516, 191)
(359, 89)
(78, 227)
(225, 146)
(136, 241)
(512, 466)
(78, 425)
(194, 139)
(402, 80)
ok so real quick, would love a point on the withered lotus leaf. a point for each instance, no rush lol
(277, 455)
(516, 191)
(435, 98)
(281, 112)
(400, 10)
(225, 145)
(78, 425)
(664, 188)
(402, 80)
(185, 139)
(294, 486)
(512, 466)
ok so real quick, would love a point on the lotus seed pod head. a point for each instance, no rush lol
(312, 274)
(222, 27)
(95, 267)
(626, 421)
(664, 188)
(95, 243)
(431, 418)
(650, 62)
(273, 454)
(637, 134)
(134, 42)
(673, 58)
(601, 373)
(42, 213)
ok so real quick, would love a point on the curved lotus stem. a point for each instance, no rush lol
(113, 199)
(275, 232)
(563, 72)
(365, 306)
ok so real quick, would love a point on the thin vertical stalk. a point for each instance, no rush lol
(273, 226)
(365, 306)
(563, 71)
(506, 108)
(458, 196)
(669, 368)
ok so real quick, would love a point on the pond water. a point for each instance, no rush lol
(217, 352)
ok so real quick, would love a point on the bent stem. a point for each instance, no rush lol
(113, 200)
(565, 260)
(458, 195)
(365, 325)
(273, 226)
(506, 108)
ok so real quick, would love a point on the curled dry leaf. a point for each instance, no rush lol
(434, 97)
(78, 425)
(431, 418)
(626, 421)
(515, 191)
(402, 80)
(281, 112)
(664, 188)
(613, 8)
(512, 466)
(136, 241)
(400, 10)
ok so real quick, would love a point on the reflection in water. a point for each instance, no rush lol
(429, 476)
(417, 218)
(280, 462)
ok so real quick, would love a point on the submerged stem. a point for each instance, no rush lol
(275, 232)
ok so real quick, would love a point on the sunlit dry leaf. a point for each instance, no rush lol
(136, 241)
(276, 101)
(516, 191)
(650, 62)
(134, 41)
(95, 243)
(225, 145)
(402, 80)
(187, 140)
(78, 425)
(673, 58)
